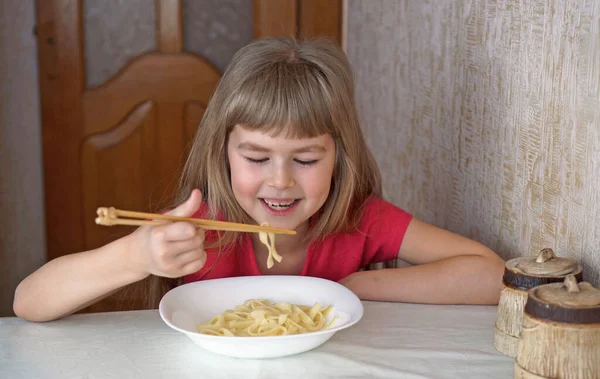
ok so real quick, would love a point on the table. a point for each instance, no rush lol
(393, 340)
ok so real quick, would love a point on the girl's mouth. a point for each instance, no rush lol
(280, 207)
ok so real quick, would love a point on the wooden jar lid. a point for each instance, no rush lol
(528, 272)
(568, 302)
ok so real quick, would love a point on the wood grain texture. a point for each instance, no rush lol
(183, 77)
(275, 18)
(169, 26)
(320, 18)
(485, 117)
(549, 349)
(62, 80)
(137, 128)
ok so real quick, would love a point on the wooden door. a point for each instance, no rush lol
(299, 18)
(123, 143)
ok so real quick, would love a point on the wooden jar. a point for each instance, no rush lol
(521, 275)
(560, 336)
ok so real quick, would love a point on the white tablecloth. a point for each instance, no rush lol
(391, 341)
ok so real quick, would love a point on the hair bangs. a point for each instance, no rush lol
(284, 97)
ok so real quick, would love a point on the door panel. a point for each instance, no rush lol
(136, 130)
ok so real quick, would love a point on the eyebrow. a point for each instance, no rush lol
(254, 147)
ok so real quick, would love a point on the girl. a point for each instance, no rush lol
(279, 143)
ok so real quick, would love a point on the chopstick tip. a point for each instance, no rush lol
(106, 216)
(107, 221)
(107, 212)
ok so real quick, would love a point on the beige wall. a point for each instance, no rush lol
(485, 117)
(22, 237)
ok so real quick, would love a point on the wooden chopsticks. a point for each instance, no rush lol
(111, 216)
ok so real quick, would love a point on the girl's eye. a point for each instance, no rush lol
(306, 163)
(255, 160)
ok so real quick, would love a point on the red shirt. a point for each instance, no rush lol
(378, 238)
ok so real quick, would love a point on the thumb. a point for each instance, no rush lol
(188, 207)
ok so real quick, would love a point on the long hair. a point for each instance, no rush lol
(270, 84)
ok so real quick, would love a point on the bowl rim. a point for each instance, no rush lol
(350, 322)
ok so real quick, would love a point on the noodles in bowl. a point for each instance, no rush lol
(320, 307)
(259, 317)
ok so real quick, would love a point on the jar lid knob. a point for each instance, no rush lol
(545, 255)
(571, 283)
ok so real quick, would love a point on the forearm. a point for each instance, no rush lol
(456, 280)
(69, 283)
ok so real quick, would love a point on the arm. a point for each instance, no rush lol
(72, 282)
(449, 269)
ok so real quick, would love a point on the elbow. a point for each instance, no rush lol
(487, 271)
(21, 311)
(26, 313)
(25, 309)
(20, 305)
(496, 272)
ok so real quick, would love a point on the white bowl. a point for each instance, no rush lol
(185, 307)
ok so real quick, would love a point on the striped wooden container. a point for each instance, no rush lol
(521, 275)
(560, 335)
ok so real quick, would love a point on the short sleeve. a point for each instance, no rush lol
(384, 225)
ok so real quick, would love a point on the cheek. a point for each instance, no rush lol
(319, 182)
(245, 180)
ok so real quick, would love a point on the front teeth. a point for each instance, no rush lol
(279, 205)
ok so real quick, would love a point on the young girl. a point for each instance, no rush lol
(280, 143)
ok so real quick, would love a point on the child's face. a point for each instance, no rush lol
(279, 180)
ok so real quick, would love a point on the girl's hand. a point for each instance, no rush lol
(172, 250)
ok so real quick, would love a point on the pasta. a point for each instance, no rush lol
(260, 317)
(268, 239)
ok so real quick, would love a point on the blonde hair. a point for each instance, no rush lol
(269, 85)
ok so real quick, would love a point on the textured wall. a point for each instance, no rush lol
(22, 234)
(485, 117)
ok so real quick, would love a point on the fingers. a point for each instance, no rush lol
(177, 231)
(175, 247)
(193, 266)
(173, 239)
(179, 247)
(189, 207)
(191, 261)
(182, 264)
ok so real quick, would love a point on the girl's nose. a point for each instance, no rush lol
(282, 178)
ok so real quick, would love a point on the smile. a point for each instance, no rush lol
(280, 205)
